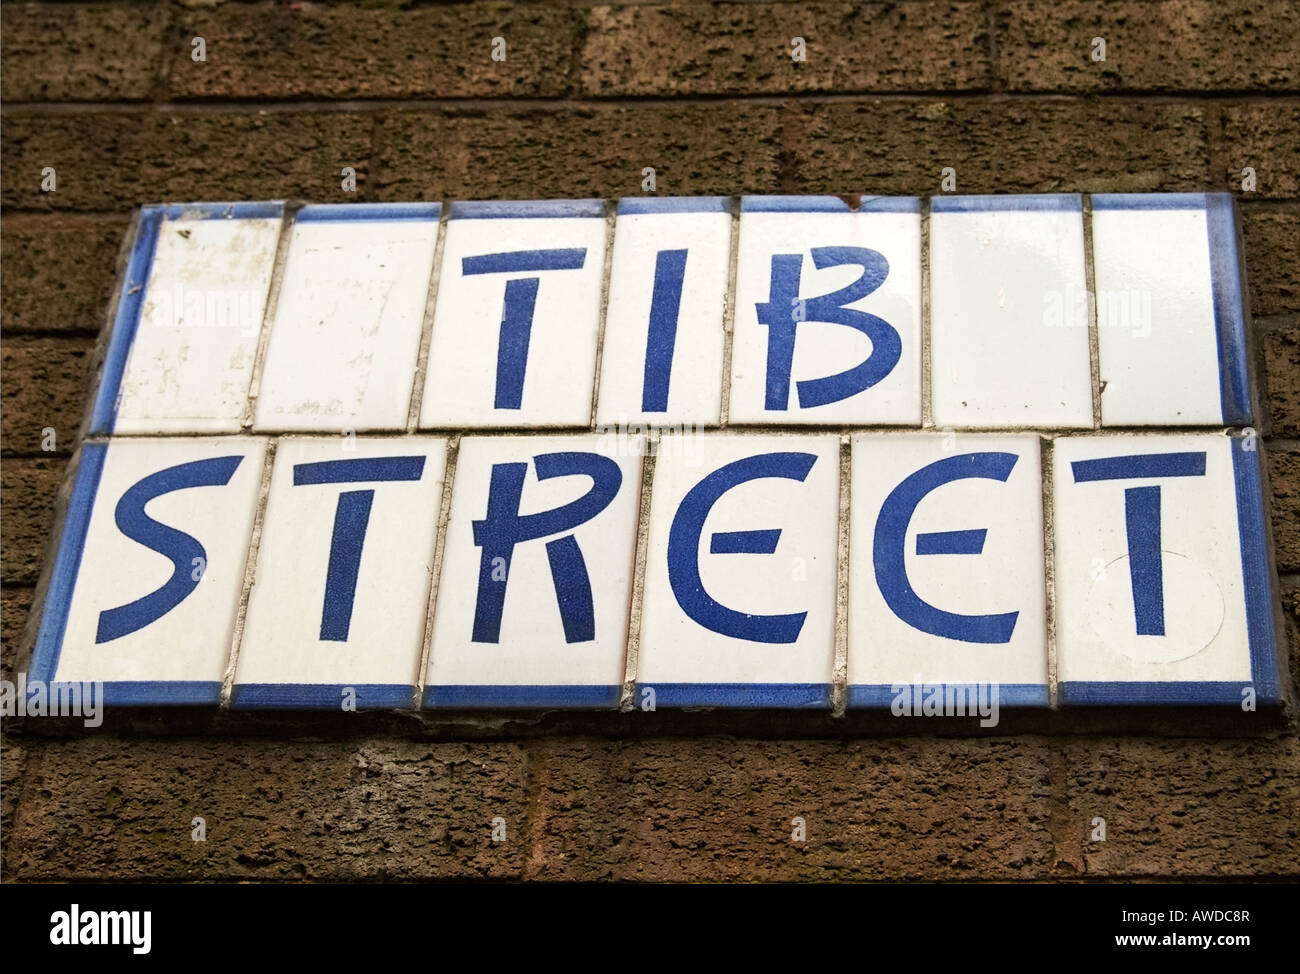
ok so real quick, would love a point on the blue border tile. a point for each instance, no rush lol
(321, 696)
(1260, 633)
(521, 697)
(1033, 202)
(58, 603)
(637, 205)
(126, 321)
(104, 415)
(890, 204)
(524, 209)
(881, 696)
(1164, 693)
(793, 204)
(1147, 201)
(784, 696)
(1252, 529)
(271, 209)
(377, 212)
(162, 693)
(1229, 308)
(1225, 286)
(67, 563)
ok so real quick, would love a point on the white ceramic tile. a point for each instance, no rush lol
(798, 254)
(532, 611)
(343, 347)
(343, 573)
(752, 624)
(191, 359)
(1156, 335)
(151, 596)
(661, 362)
(547, 329)
(1004, 352)
(946, 580)
(1151, 596)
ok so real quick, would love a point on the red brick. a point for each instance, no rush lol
(82, 52)
(315, 50)
(743, 48)
(12, 764)
(116, 160)
(15, 604)
(1220, 808)
(274, 810)
(998, 145)
(715, 810)
(59, 273)
(1284, 477)
(1272, 242)
(45, 386)
(527, 154)
(1180, 45)
(1266, 137)
(27, 492)
(1282, 379)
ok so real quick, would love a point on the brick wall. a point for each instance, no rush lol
(891, 93)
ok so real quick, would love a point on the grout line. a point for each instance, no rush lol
(426, 328)
(287, 224)
(435, 570)
(1090, 291)
(996, 82)
(1047, 453)
(729, 314)
(632, 645)
(250, 571)
(1287, 444)
(722, 100)
(840, 669)
(611, 217)
(927, 360)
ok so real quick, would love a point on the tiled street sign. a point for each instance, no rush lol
(946, 566)
(768, 452)
(739, 607)
(343, 346)
(347, 541)
(536, 574)
(828, 312)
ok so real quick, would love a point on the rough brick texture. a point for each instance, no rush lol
(1265, 137)
(1032, 146)
(15, 603)
(694, 150)
(1272, 240)
(82, 52)
(1170, 806)
(1177, 45)
(589, 95)
(27, 491)
(707, 810)
(1282, 383)
(272, 810)
(108, 161)
(64, 271)
(745, 48)
(1284, 471)
(307, 50)
(42, 403)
